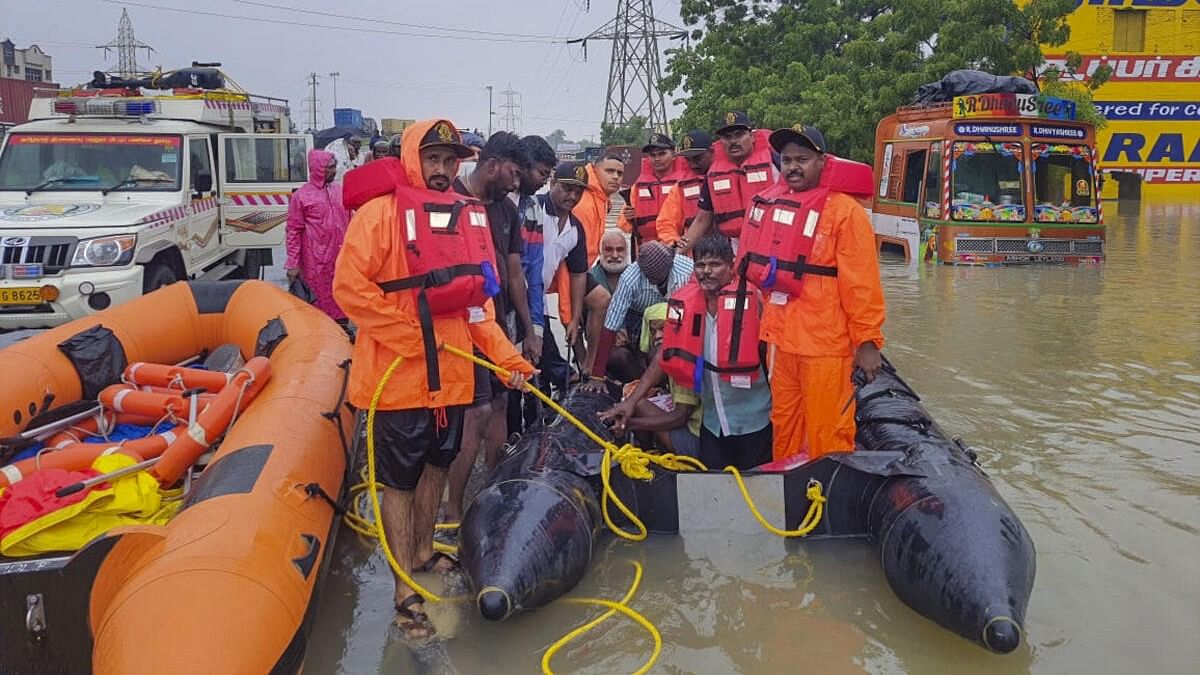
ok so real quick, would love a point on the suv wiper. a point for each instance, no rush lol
(132, 181)
(53, 181)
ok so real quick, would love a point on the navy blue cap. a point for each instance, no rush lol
(734, 120)
(798, 133)
(572, 173)
(658, 141)
(695, 143)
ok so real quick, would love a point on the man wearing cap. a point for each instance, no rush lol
(830, 321)
(497, 173)
(657, 273)
(683, 203)
(660, 177)
(419, 419)
(742, 166)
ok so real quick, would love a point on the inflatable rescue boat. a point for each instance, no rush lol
(228, 583)
(950, 547)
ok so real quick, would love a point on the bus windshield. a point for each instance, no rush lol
(987, 183)
(1063, 184)
(65, 162)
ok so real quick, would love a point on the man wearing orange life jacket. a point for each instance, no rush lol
(418, 270)
(812, 252)
(742, 166)
(664, 174)
(680, 207)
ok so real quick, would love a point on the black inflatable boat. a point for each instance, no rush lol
(950, 546)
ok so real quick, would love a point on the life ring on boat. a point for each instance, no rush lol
(175, 377)
(79, 456)
(93, 426)
(127, 398)
(213, 420)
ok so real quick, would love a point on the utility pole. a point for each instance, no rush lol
(491, 111)
(511, 119)
(127, 47)
(634, 72)
(335, 75)
(313, 102)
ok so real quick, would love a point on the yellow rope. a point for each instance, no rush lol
(613, 607)
(635, 463)
(371, 488)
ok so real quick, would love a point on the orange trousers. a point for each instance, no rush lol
(808, 404)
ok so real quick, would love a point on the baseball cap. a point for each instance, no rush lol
(658, 141)
(572, 173)
(733, 120)
(444, 134)
(695, 143)
(799, 133)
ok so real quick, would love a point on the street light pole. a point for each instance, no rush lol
(335, 76)
(490, 113)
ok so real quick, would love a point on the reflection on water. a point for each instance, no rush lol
(1079, 387)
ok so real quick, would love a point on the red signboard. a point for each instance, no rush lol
(15, 97)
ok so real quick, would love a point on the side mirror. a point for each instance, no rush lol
(204, 182)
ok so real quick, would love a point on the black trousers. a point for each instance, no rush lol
(744, 452)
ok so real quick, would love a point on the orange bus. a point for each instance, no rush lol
(988, 179)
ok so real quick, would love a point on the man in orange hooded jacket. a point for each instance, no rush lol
(418, 428)
(833, 326)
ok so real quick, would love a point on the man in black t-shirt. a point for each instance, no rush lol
(497, 173)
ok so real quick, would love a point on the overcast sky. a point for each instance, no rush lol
(408, 75)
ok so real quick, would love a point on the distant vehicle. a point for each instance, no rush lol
(989, 179)
(111, 191)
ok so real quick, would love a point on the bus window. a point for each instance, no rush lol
(914, 168)
(933, 186)
(1062, 181)
(986, 181)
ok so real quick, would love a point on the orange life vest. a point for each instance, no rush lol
(731, 185)
(652, 192)
(777, 240)
(737, 334)
(448, 247)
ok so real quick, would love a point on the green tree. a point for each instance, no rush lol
(555, 137)
(1069, 85)
(633, 132)
(842, 65)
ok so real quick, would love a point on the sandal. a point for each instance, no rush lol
(414, 623)
(431, 565)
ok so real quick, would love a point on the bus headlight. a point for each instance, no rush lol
(105, 251)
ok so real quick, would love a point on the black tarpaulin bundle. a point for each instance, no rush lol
(965, 82)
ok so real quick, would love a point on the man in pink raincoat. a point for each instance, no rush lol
(316, 225)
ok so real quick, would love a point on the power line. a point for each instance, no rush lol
(314, 104)
(494, 37)
(335, 15)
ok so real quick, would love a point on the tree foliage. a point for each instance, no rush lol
(633, 132)
(842, 65)
(1070, 85)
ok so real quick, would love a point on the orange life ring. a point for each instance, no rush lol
(126, 398)
(175, 377)
(79, 456)
(213, 419)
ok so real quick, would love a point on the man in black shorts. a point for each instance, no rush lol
(497, 173)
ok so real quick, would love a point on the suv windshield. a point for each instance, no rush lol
(987, 183)
(1062, 179)
(66, 162)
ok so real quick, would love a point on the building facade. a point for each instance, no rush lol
(30, 64)
(1151, 145)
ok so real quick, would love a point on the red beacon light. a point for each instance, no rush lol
(66, 107)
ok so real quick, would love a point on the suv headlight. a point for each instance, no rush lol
(105, 251)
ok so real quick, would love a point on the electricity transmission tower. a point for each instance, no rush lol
(312, 103)
(127, 47)
(634, 71)
(510, 119)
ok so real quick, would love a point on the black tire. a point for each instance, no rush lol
(156, 275)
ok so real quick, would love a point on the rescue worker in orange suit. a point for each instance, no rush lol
(742, 166)
(418, 425)
(604, 180)
(663, 174)
(681, 206)
(829, 320)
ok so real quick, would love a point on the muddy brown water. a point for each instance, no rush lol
(1079, 387)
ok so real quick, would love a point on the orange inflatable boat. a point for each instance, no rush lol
(228, 585)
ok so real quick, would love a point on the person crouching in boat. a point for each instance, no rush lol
(812, 251)
(418, 270)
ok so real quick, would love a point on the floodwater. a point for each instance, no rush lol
(1079, 387)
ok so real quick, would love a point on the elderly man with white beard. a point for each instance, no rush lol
(602, 283)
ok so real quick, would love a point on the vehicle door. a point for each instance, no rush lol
(259, 172)
(203, 242)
